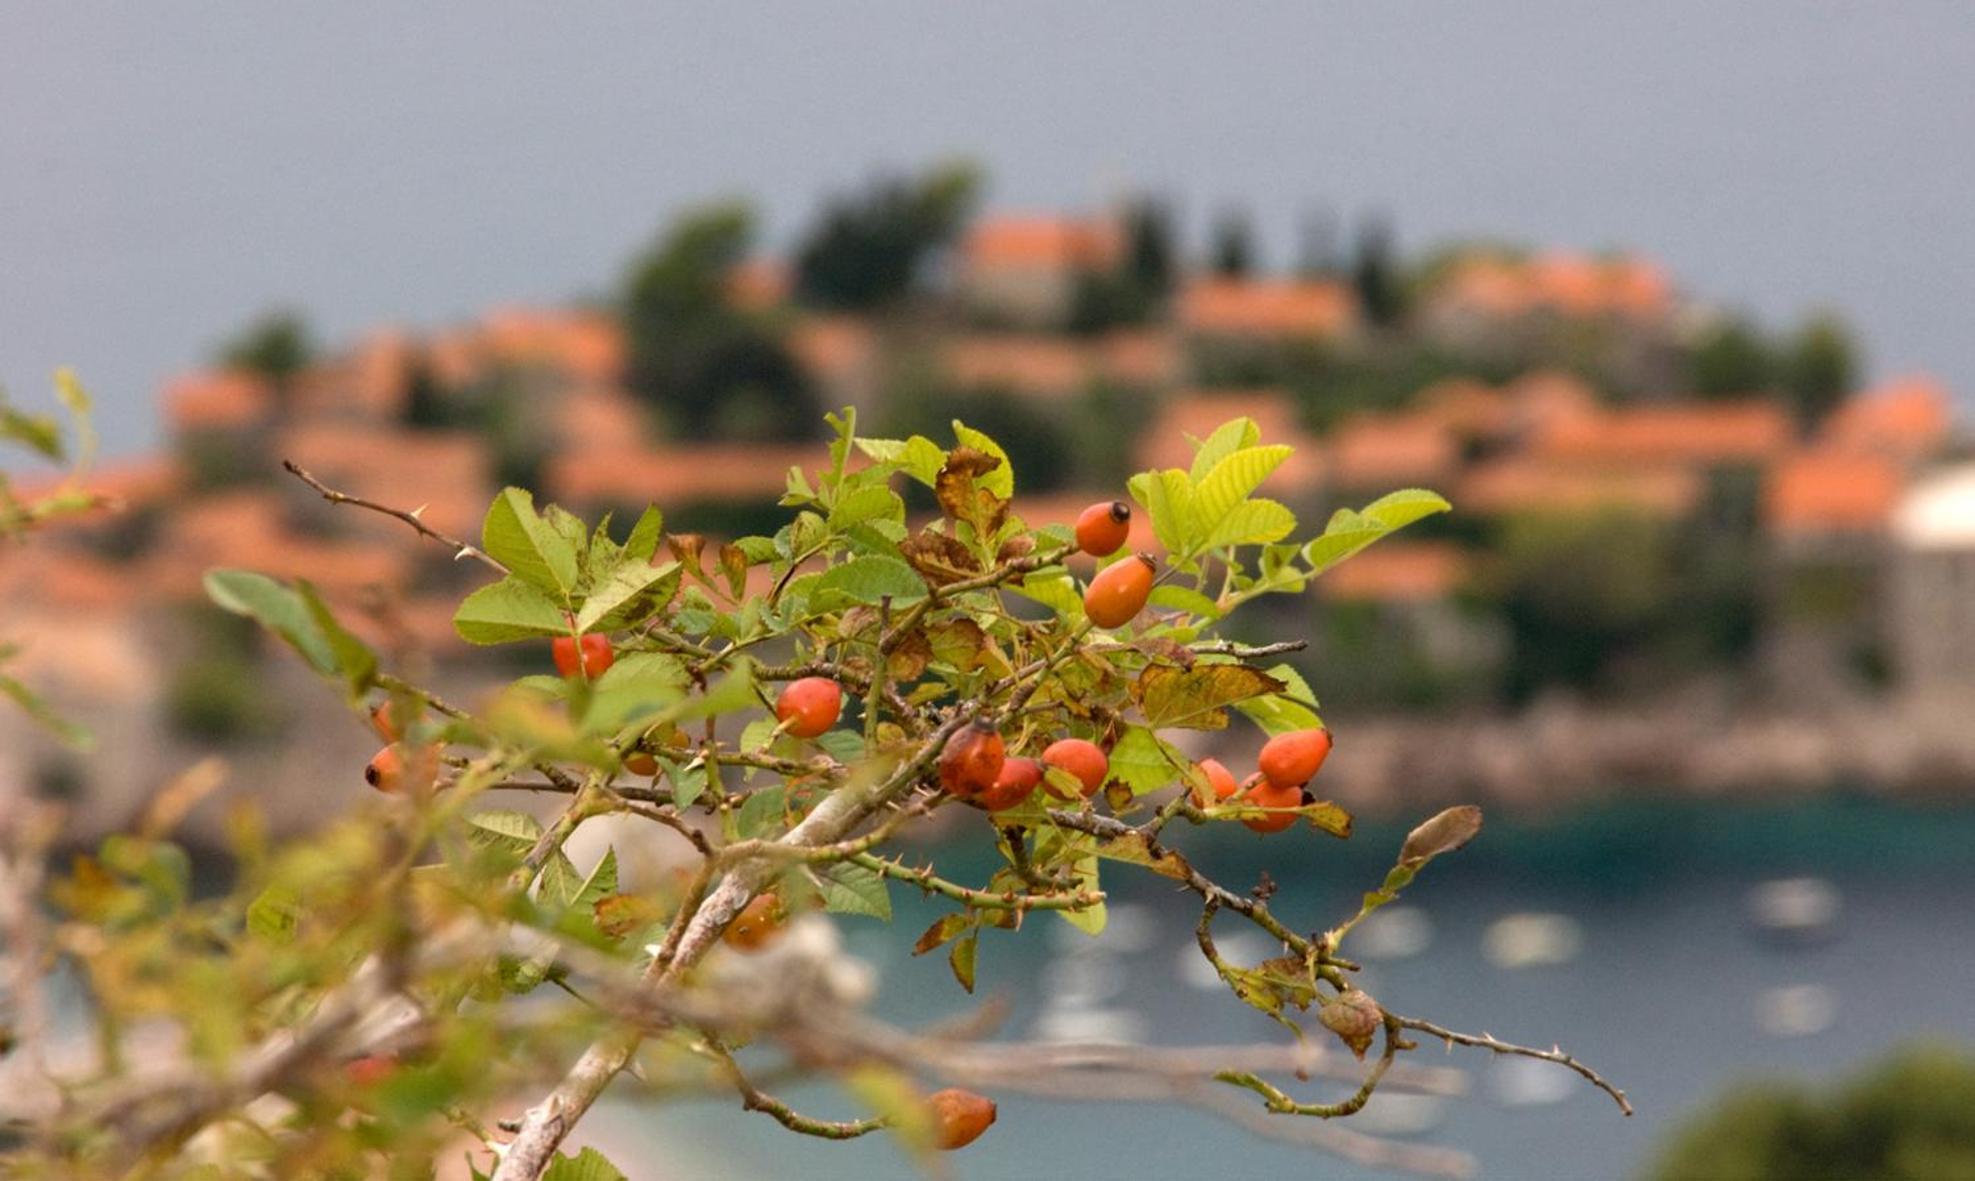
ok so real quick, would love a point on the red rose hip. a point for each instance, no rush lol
(959, 1117)
(1081, 758)
(1293, 759)
(588, 655)
(1268, 795)
(1103, 528)
(1119, 591)
(810, 706)
(971, 760)
(1017, 780)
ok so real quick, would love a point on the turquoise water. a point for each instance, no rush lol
(1662, 996)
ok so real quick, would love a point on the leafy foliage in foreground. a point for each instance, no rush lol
(349, 1001)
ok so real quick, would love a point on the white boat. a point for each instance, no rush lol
(1532, 939)
(1795, 908)
(1393, 933)
(1796, 1010)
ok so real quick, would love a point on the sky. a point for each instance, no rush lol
(169, 171)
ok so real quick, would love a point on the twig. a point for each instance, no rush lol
(1487, 1041)
(1013, 900)
(460, 548)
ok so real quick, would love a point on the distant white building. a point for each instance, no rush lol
(1933, 602)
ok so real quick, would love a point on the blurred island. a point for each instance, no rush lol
(1688, 554)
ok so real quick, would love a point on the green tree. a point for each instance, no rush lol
(277, 346)
(1375, 272)
(1578, 590)
(1732, 360)
(1909, 1118)
(1819, 367)
(870, 248)
(1234, 245)
(1149, 262)
(1317, 255)
(690, 353)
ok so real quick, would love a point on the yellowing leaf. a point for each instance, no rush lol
(1197, 698)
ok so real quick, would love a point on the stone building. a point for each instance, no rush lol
(1932, 620)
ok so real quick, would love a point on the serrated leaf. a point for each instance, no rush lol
(761, 813)
(1054, 589)
(1134, 849)
(274, 607)
(502, 828)
(509, 610)
(614, 602)
(1252, 522)
(1143, 761)
(587, 1165)
(866, 504)
(1228, 438)
(941, 558)
(966, 491)
(1396, 510)
(1174, 597)
(1090, 919)
(1348, 531)
(854, 889)
(532, 549)
(643, 542)
(962, 958)
(868, 579)
(1197, 698)
(1231, 481)
(1167, 498)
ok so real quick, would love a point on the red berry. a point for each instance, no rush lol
(1220, 781)
(758, 922)
(370, 1069)
(1293, 759)
(1269, 795)
(392, 770)
(381, 721)
(1119, 591)
(971, 760)
(1016, 782)
(959, 1117)
(640, 762)
(1081, 758)
(1103, 528)
(596, 655)
(809, 706)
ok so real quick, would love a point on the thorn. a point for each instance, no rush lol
(414, 514)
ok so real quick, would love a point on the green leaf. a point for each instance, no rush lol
(638, 683)
(1175, 597)
(587, 1165)
(1295, 708)
(274, 913)
(1198, 697)
(38, 431)
(943, 930)
(963, 957)
(867, 579)
(760, 814)
(688, 782)
(1348, 532)
(515, 832)
(1232, 481)
(532, 549)
(1142, 761)
(854, 889)
(1091, 919)
(1228, 438)
(866, 504)
(1054, 589)
(1167, 498)
(643, 542)
(1252, 522)
(509, 610)
(68, 732)
(354, 659)
(614, 601)
(274, 607)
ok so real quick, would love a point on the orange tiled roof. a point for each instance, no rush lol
(1197, 413)
(1397, 572)
(129, 483)
(600, 417)
(1909, 418)
(1523, 484)
(759, 284)
(832, 347)
(1828, 491)
(217, 400)
(1025, 364)
(1392, 450)
(701, 472)
(249, 530)
(449, 472)
(1042, 243)
(1267, 308)
(1754, 431)
(588, 346)
(1467, 407)
(1146, 357)
(1569, 283)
